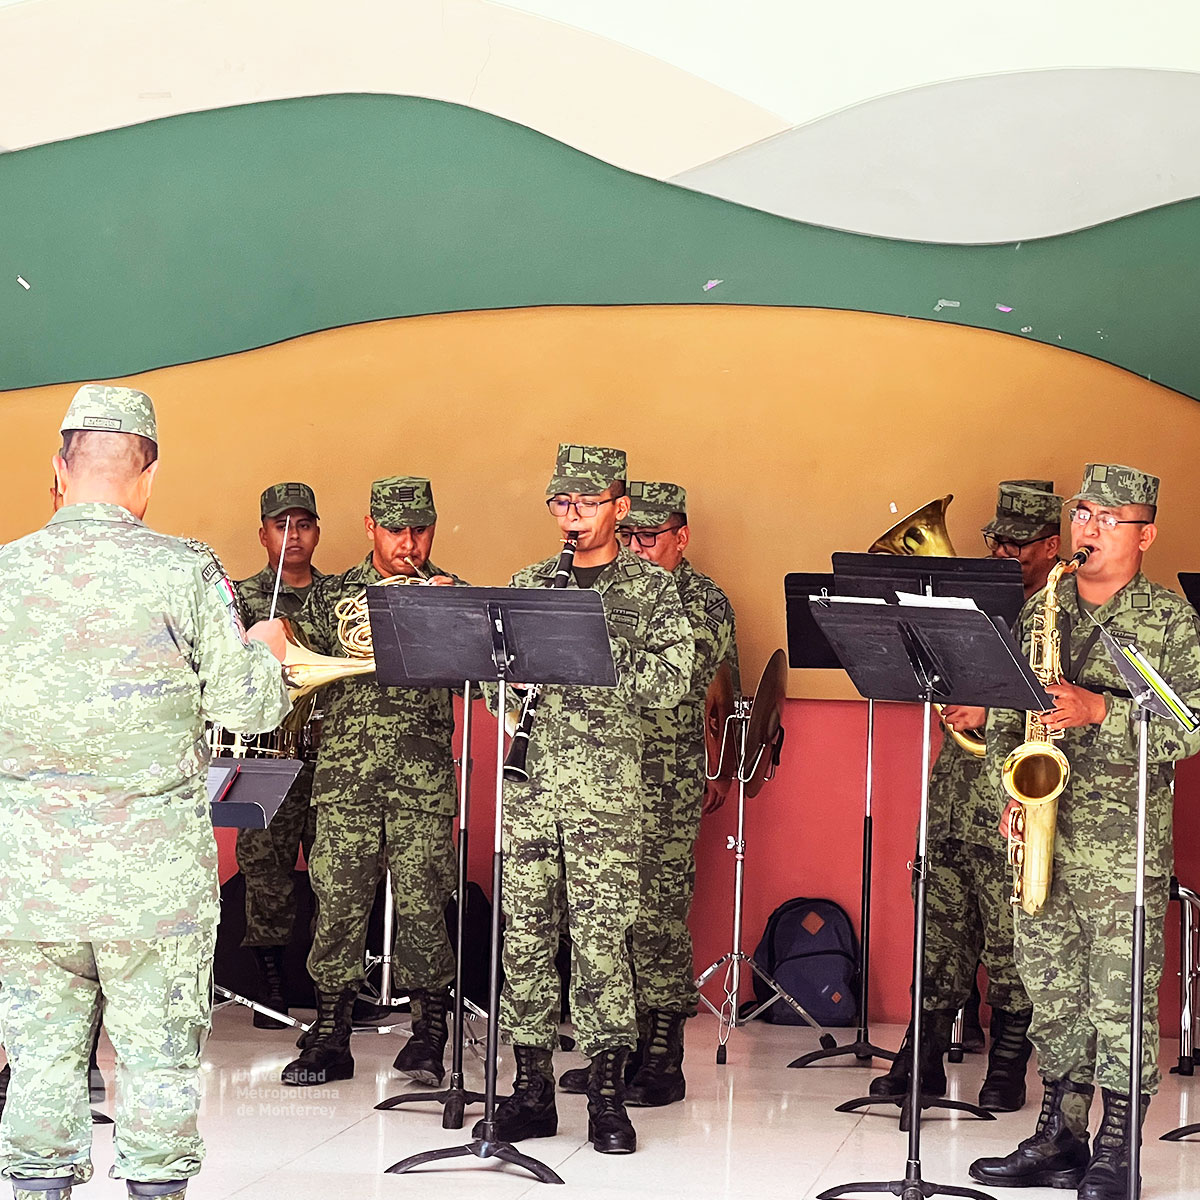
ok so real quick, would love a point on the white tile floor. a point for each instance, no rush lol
(752, 1128)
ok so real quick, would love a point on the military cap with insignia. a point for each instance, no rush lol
(653, 503)
(106, 408)
(279, 497)
(588, 470)
(1112, 485)
(1025, 508)
(401, 501)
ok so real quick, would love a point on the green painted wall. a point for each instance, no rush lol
(216, 232)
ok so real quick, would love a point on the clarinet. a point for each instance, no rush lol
(514, 762)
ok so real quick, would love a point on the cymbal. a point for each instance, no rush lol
(720, 752)
(766, 716)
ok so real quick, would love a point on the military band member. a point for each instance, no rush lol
(384, 792)
(119, 642)
(968, 916)
(673, 784)
(580, 814)
(1074, 955)
(290, 531)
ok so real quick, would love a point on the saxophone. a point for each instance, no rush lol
(1036, 772)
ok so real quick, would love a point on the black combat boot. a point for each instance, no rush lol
(575, 1080)
(1003, 1087)
(529, 1112)
(1107, 1175)
(270, 963)
(326, 1054)
(935, 1036)
(659, 1080)
(609, 1128)
(420, 1058)
(1056, 1153)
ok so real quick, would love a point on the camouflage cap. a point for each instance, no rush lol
(279, 497)
(1024, 511)
(401, 501)
(109, 409)
(653, 503)
(1112, 485)
(587, 470)
(1038, 485)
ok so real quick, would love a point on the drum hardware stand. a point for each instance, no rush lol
(501, 634)
(892, 651)
(863, 1049)
(734, 959)
(455, 1097)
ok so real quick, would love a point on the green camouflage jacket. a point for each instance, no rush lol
(119, 643)
(678, 732)
(377, 743)
(254, 595)
(1097, 813)
(961, 804)
(591, 738)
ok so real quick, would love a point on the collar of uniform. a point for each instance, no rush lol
(1135, 595)
(93, 510)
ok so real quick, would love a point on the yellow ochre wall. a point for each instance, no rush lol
(794, 431)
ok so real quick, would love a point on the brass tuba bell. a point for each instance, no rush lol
(920, 533)
(923, 533)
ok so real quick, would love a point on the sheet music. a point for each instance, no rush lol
(920, 600)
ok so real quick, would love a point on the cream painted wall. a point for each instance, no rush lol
(72, 67)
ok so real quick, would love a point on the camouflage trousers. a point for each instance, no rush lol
(267, 858)
(596, 854)
(355, 843)
(663, 974)
(968, 919)
(157, 1000)
(1075, 959)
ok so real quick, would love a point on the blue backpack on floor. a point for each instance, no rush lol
(809, 948)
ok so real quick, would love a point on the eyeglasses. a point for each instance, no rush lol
(1003, 545)
(646, 538)
(560, 506)
(1081, 516)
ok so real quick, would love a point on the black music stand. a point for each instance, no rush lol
(926, 654)
(245, 793)
(809, 648)
(425, 637)
(995, 586)
(455, 1097)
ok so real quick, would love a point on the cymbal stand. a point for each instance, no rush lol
(863, 1049)
(454, 1098)
(727, 1014)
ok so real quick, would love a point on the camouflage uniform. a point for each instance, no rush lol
(580, 812)
(1074, 956)
(267, 857)
(384, 792)
(673, 780)
(968, 916)
(119, 643)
